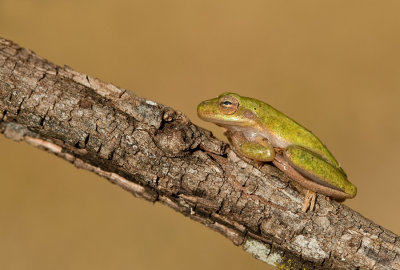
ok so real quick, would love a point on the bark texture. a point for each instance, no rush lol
(157, 154)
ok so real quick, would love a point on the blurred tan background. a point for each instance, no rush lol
(332, 65)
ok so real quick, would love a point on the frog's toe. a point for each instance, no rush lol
(313, 199)
(309, 201)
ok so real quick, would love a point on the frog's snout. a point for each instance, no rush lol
(201, 108)
(206, 109)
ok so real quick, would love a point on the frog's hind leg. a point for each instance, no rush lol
(309, 201)
(314, 174)
(321, 176)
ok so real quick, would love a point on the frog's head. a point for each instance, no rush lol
(230, 109)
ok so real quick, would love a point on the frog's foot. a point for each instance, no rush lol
(309, 201)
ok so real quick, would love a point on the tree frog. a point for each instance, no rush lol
(260, 132)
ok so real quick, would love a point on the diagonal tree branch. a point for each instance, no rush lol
(157, 154)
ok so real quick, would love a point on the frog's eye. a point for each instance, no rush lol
(228, 105)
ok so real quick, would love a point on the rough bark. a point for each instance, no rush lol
(157, 154)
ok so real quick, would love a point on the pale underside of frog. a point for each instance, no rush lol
(261, 133)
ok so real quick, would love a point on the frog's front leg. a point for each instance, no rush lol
(258, 149)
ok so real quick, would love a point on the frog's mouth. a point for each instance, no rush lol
(223, 123)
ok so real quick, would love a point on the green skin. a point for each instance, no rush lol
(260, 132)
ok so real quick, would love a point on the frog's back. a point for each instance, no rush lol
(291, 132)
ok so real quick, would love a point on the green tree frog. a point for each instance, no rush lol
(259, 132)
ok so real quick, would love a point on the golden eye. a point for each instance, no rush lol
(228, 105)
